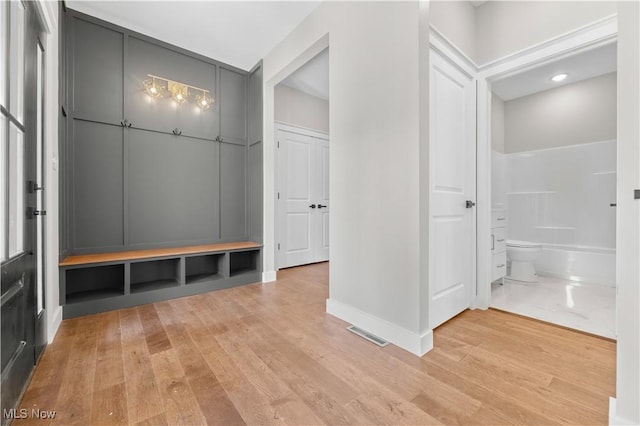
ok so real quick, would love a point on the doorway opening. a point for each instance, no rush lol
(301, 107)
(553, 191)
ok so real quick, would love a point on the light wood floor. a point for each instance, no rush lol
(268, 354)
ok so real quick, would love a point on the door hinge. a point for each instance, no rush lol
(278, 144)
(636, 194)
(278, 195)
(278, 246)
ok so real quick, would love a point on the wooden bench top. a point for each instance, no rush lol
(85, 259)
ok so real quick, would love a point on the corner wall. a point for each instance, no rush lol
(374, 91)
(626, 409)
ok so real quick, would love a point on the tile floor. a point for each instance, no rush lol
(584, 307)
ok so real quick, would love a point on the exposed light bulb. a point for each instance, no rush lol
(179, 96)
(203, 100)
(152, 88)
(559, 77)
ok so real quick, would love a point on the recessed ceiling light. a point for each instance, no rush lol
(559, 77)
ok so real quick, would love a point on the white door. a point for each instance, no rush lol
(302, 198)
(452, 175)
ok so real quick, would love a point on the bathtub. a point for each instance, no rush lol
(593, 265)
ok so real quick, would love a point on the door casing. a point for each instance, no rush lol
(279, 222)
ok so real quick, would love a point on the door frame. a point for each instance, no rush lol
(596, 34)
(279, 225)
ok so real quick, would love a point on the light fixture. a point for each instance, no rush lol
(203, 100)
(559, 77)
(179, 92)
(153, 89)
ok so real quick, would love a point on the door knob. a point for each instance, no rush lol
(313, 206)
(321, 206)
(470, 204)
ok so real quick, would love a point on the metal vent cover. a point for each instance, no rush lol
(366, 335)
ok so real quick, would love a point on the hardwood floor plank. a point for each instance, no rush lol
(212, 399)
(143, 396)
(76, 390)
(180, 404)
(109, 406)
(110, 369)
(270, 354)
(44, 389)
(288, 405)
(155, 335)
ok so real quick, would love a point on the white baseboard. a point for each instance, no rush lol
(52, 328)
(413, 342)
(268, 276)
(614, 420)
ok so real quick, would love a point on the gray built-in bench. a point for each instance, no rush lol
(95, 283)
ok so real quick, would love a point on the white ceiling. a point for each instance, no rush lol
(581, 66)
(312, 77)
(238, 33)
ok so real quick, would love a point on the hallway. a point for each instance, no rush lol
(269, 354)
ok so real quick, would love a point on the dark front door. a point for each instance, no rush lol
(20, 134)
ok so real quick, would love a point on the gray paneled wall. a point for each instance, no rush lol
(139, 185)
(255, 154)
(96, 183)
(96, 74)
(232, 101)
(173, 192)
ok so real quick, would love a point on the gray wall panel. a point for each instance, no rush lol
(233, 213)
(97, 186)
(255, 192)
(97, 73)
(164, 114)
(173, 183)
(232, 105)
(255, 155)
(254, 107)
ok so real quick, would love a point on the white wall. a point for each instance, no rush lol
(497, 123)
(577, 113)
(300, 109)
(627, 406)
(375, 159)
(505, 27)
(456, 20)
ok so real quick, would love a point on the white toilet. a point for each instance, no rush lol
(522, 254)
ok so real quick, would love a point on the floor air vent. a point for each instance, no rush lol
(366, 335)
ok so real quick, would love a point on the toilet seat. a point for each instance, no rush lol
(522, 244)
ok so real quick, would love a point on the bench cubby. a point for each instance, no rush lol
(205, 267)
(98, 282)
(106, 281)
(243, 262)
(154, 275)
